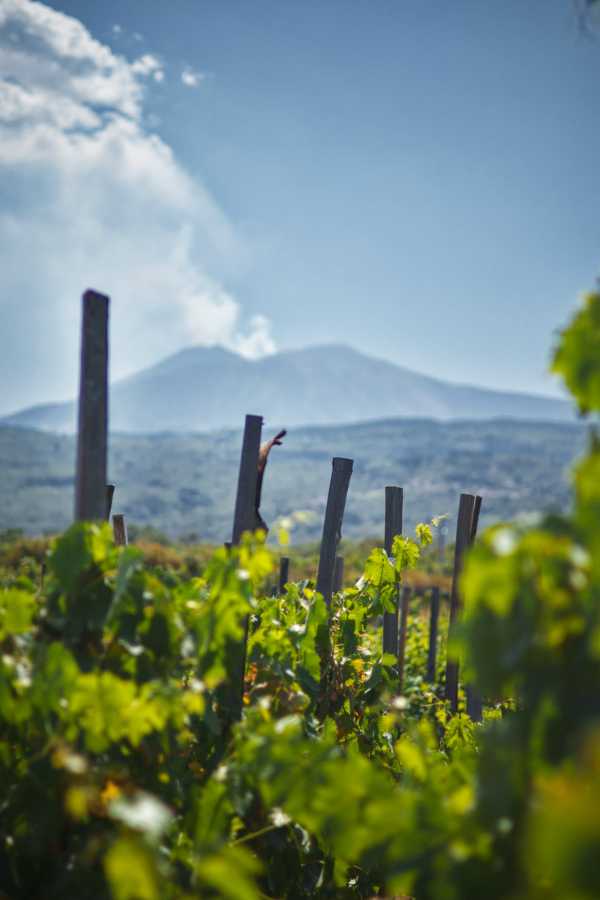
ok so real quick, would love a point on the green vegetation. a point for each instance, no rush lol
(20, 553)
(126, 775)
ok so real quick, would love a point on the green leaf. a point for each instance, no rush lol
(406, 553)
(231, 872)
(312, 642)
(109, 709)
(131, 871)
(17, 609)
(82, 546)
(424, 535)
(379, 569)
(577, 356)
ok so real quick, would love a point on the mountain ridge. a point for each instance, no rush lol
(183, 484)
(209, 388)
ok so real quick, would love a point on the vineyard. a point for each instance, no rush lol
(228, 733)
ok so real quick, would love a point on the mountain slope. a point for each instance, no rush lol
(200, 389)
(186, 483)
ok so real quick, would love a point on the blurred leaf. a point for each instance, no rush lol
(577, 354)
(17, 609)
(131, 871)
(231, 873)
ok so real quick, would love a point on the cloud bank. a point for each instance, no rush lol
(92, 198)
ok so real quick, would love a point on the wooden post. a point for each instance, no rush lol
(244, 515)
(474, 701)
(332, 525)
(464, 526)
(243, 520)
(394, 501)
(341, 472)
(434, 613)
(338, 574)
(403, 632)
(120, 530)
(475, 519)
(441, 535)
(284, 573)
(110, 492)
(92, 434)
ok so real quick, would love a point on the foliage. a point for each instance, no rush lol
(121, 771)
(576, 357)
(127, 772)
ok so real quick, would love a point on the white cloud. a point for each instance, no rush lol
(95, 200)
(191, 78)
(148, 65)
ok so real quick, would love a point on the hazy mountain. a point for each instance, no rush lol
(182, 483)
(200, 389)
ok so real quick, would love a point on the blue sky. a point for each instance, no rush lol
(417, 178)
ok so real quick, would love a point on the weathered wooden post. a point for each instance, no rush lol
(284, 572)
(120, 530)
(441, 541)
(244, 515)
(341, 472)
(110, 493)
(464, 527)
(92, 432)
(434, 614)
(394, 501)
(474, 701)
(338, 575)
(404, 609)
(475, 519)
(244, 519)
(332, 526)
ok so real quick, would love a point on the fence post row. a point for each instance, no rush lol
(92, 427)
(394, 502)
(341, 473)
(94, 497)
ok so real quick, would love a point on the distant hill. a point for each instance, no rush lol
(201, 389)
(185, 484)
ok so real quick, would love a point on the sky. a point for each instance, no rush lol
(416, 178)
